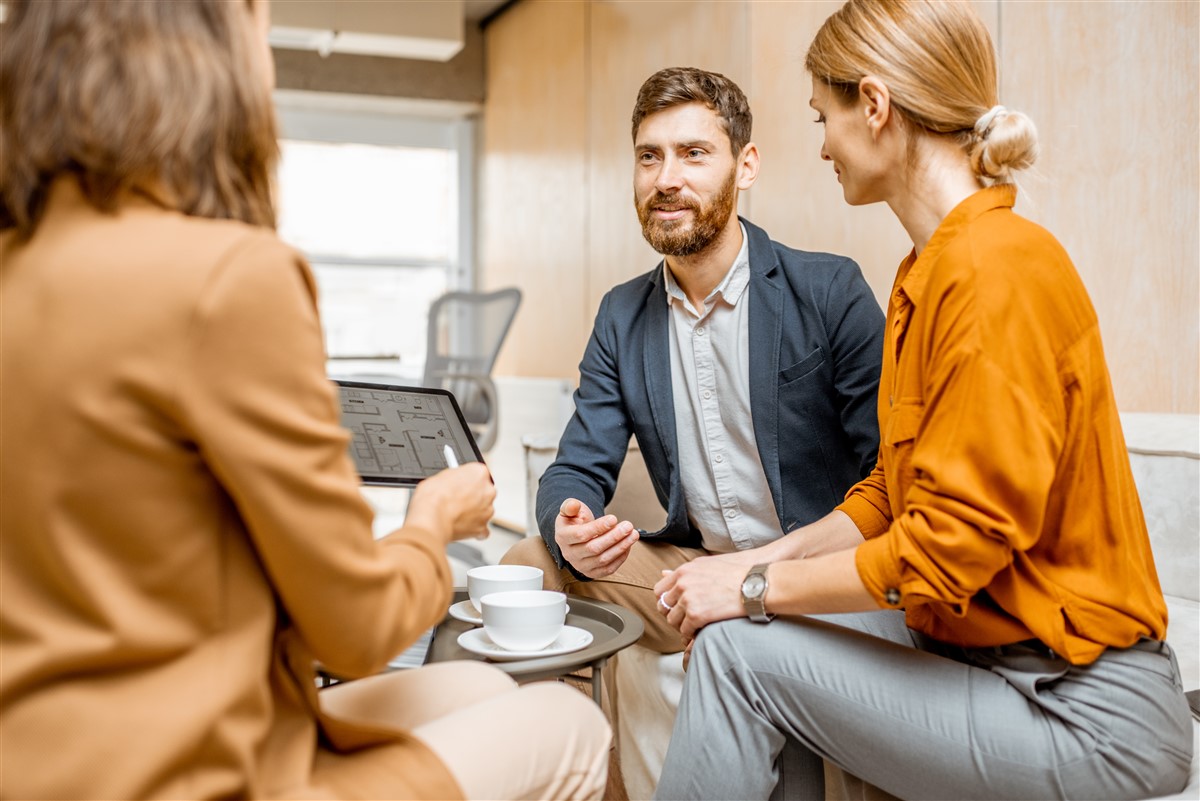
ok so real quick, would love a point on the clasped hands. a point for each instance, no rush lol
(703, 591)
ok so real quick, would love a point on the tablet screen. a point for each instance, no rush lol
(400, 433)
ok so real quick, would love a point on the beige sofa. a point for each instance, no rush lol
(1165, 453)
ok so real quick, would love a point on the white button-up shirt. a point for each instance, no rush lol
(724, 484)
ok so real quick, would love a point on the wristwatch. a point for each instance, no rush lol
(754, 594)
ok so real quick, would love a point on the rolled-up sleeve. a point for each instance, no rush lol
(867, 504)
(980, 472)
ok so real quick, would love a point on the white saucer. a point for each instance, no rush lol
(465, 611)
(570, 639)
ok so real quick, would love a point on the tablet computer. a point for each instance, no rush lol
(400, 434)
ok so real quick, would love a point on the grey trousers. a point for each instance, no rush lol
(762, 705)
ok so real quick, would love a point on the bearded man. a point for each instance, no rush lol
(748, 372)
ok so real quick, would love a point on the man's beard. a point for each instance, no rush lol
(671, 237)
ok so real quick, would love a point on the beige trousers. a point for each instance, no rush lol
(632, 586)
(500, 741)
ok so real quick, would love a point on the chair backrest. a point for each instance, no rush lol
(466, 330)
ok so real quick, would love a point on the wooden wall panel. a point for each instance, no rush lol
(532, 212)
(631, 40)
(1112, 89)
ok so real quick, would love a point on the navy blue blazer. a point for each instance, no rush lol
(816, 345)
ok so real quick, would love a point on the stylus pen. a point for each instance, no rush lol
(451, 459)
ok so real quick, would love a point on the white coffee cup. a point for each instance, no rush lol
(488, 579)
(525, 620)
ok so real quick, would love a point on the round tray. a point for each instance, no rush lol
(613, 628)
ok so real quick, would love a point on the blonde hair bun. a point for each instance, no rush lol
(1006, 143)
(937, 59)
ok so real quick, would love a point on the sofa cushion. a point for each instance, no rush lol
(1164, 452)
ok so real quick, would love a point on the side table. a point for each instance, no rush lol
(613, 628)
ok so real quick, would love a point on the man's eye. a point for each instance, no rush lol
(646, 158)
(695, 153)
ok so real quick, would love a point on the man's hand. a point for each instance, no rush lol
(596, 548)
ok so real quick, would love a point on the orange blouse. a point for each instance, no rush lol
(1002, 506)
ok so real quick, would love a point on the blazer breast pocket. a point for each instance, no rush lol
(802, 368)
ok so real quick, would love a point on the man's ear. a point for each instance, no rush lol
(875, 103)
(747, 166)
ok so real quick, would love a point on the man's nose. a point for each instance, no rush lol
(670, 176)
(824, 155)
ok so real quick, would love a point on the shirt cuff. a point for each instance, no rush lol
(879, 570)
(871, 522)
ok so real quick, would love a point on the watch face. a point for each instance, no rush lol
(753, 586)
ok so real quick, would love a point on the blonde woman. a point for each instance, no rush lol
(183, 532)
(1024, 656)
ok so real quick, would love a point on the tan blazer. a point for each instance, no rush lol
(182, 531)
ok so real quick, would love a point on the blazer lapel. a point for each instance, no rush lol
(656, 364)
(766, 321)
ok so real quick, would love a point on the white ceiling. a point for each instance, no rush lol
(478, 10)
(420, 29)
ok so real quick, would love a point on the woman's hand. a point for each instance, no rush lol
(456, 502)
(704, 591)
(813, 572)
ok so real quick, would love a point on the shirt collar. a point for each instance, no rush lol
(913, 274)
(732, 286)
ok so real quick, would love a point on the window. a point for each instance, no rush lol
(379, 202)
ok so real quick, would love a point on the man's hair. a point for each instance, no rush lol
(165, 98)
(676, 86)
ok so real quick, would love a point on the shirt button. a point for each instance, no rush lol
(706, 394)
(892, 596)
(731, 513)
(699, 332)
(718, 458)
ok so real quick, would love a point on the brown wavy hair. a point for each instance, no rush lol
(164, 98)
(675, 86)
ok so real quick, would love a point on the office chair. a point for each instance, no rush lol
(466, 330)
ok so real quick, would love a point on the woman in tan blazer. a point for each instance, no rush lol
(182, 531)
